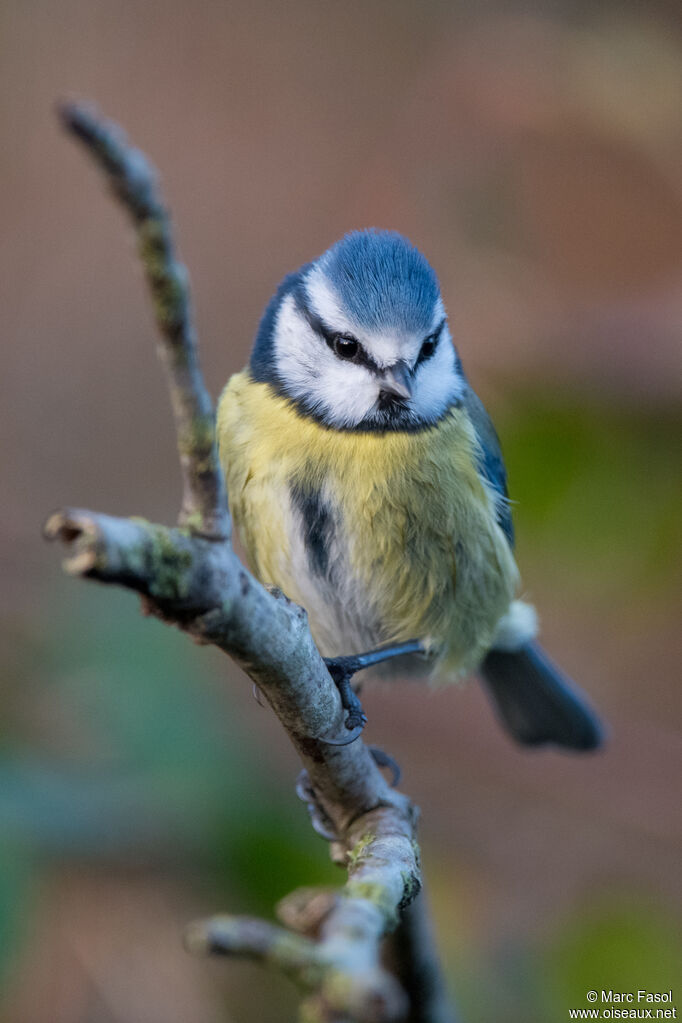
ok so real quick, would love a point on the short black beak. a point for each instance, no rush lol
(396, 381)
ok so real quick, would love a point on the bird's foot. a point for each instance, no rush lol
(319, 818)
(385, 760)
(342, 670)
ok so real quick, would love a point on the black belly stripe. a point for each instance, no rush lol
(318, 526)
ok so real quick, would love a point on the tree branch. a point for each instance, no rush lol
(135, 183)
(190, 576)
(415, 960)
(342, 968)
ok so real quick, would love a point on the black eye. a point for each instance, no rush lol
(346, 347)
(428, 348)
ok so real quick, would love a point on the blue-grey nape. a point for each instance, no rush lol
(262, 363)
(383, 281)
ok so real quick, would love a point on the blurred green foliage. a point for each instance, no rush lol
(620, 944)
(597, 485)
(17, 891)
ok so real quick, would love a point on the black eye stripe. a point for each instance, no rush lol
(361, 357)
(429, 344)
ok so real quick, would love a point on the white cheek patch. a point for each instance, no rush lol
(294, 348)
(437, 383)
(341, 392)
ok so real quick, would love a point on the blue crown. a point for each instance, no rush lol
(382, 280)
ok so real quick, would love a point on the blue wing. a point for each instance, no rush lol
(491, 464)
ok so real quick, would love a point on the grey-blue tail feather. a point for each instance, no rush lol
(537, 703)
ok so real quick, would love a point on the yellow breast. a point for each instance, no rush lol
(415, 549)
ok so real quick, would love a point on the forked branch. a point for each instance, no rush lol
(190, 576)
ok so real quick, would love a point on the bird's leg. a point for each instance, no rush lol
(342, 670)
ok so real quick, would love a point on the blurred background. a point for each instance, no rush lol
(534, 153)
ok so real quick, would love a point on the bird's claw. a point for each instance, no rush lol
(342, 671)
(319, 818)
(383, 759)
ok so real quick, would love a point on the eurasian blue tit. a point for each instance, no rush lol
(367, 482)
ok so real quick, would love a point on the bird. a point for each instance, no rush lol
(367, 483)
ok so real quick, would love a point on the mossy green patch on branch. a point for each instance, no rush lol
(153, 247)
(192, 523)
(377, 894)
(162, 559)
(411, 888)
(167, 277)
(359, 850)
(196, 445)
(337, 990)
(196, 437)
(170, 564)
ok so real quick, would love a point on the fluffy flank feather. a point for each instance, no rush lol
(517, 627)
